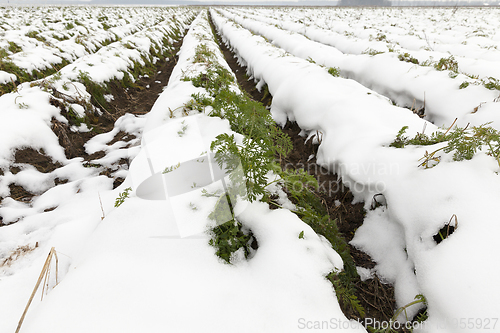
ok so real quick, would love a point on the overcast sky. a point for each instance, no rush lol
(228, 2)
(175, 2)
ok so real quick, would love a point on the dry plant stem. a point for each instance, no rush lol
(449, 223)
(15, 86)
(428, 157)
(497, 157)
(102, 209)
(44, 273)
(403, 308)
(449, 128)
(47, 275)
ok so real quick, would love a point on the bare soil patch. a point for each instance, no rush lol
(38, 159)
(35, 158)
(137, 100)
(140, 100)
(18, 193)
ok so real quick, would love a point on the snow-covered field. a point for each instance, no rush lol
(358, 124)
(347, 39)
(48, 38)
(146, 264)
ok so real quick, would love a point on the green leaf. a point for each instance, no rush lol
(122, 196)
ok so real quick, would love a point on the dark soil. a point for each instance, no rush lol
(29, 156)
(72, 142)
(121, 136)
(137, 100)
(246, 83)
(376, 297)
(38, 159)
(19, 193)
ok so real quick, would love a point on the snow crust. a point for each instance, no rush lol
(131, 268)
(127, 268)
(61, 216)
(405, 83)
(356, 124)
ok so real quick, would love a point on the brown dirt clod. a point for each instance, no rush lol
(18, 193)
(38, 159)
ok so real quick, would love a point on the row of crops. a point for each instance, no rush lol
(185, 245)
(360, 142)
(448, 81)
(59, 65)
(141, 230)
(37, 42)
(462, 32)
(80, 86)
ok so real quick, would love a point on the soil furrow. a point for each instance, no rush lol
(137, 100)
(377, 298)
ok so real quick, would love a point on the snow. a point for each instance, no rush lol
(146, 265)
(357, 124)
(65, 215)
(173, 291)
(7, 77)
(23, 125)
(406, 84)
(69, 32)
(132, 268)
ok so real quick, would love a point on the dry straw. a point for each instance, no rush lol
(44, 275)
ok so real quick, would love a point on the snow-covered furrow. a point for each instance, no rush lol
(48, 45)
(456, 276)
(132, 272)
(66, 39)
(471, 58)
(472, 34)
(404, 83)
(92, 25)
(27, 114)
(116, 58)
(63, 215)
(111, 62)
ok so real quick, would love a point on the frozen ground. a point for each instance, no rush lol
(142, 267)
(357, 124)
(127, 268)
